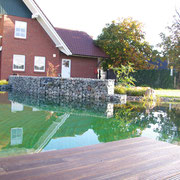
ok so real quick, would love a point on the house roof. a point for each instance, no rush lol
(80, 43)
(68, 41)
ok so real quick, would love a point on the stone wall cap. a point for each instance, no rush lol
(81, 79)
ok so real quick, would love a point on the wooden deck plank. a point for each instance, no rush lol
(52, 161)
(78, 150)
(100, 153)
(136, 158)
(121, 166)
(67, 153)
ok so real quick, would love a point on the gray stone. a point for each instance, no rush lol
(76, 88)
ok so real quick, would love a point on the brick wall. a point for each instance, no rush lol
(82, 67)
(38, 43)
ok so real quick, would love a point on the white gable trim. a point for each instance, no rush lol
(47, 26)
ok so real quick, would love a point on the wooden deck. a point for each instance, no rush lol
(138, 158)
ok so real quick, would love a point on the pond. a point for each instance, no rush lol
(33, 124)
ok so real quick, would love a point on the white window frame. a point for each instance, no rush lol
(35, 59)
(14, 59)
(17, 24)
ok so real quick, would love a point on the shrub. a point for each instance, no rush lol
(154, 78)
(124, 74)
(119, 90)
(3, 82)
(131, 91)
(136, 91)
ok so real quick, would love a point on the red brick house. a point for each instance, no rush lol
(31, 46)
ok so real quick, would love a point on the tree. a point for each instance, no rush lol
(171, 43)
(124, 41)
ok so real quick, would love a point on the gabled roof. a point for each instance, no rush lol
(70, 42)
(47, 26)
(80, 43)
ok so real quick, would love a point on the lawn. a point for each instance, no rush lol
(168, 93)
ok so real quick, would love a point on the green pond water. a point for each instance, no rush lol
(34, 124)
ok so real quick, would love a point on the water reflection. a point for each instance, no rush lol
(15, 107)
(50, 132)
(64, 104)
(43, 125)
(16, 136)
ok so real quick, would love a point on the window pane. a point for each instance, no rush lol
(66, 63)
(23, 35)
(17, 34)
(19, 62)
(20, 29)
(39, 64)
(23, 30)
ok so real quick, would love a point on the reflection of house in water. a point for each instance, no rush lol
(15, 107)
(110, 110)
(50, 132)
(48, 125)
(44, 121)
(16, 136)
(35, 109)
(81, 107)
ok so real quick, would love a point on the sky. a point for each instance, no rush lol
(91, 16)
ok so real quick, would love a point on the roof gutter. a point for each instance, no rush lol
(86, 56)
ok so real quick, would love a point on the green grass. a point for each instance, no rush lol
(171, 93)
(140, 91)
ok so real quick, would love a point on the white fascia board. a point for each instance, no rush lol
(35, 16)
(47, 26)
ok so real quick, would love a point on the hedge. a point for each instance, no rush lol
(154, 78)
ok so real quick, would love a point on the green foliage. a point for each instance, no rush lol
(124, 41)
(3, 82)
(171, 43)
(123, 74)
(154, 78)
(119, 90)
(130, 91)
(136, 91)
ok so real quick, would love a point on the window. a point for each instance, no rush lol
(66, 63)
(39, 64)
(20, 29)
(18, 63)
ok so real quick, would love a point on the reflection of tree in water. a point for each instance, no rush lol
(131, 120)
(169, 126)
(126, 124)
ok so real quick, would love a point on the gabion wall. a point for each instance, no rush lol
(54, 87)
